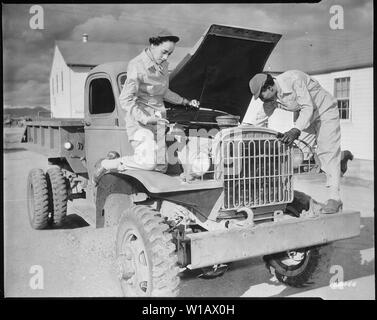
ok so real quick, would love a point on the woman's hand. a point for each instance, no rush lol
(194, 104)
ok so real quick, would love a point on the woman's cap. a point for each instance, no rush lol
(166, 34)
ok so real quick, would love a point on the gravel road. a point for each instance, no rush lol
(78, 260)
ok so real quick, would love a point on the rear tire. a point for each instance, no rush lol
(306, 269)
(146, 254)
(59, 192)
(38, 199)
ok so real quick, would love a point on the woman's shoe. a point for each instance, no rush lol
(99, 169)
(332, 206)
(112, 155)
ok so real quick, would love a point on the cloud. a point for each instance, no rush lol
(28, 53)
(29, 93)
(19, 64)
(32, 36)
(36, 71)
(109, 29)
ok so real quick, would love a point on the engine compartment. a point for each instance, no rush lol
(189, 141)
(194, 119)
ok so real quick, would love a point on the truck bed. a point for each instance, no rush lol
(49, 136)
(58, 122)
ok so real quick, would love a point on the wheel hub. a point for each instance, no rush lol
(293, 258)
(125, 265)
(133, 264)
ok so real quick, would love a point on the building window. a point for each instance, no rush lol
(52, 85)
(101, 97)
(57, 84)
(342, 93)
(62, 80)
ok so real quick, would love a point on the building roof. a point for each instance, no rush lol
(91, 53)
(316, 56)
(313, 57)
(112, 67)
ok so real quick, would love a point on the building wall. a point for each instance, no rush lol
(66, 101)
(280, 120)
(357, 132)
(77, 77)
(59, 87)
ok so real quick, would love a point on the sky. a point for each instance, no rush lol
(28, 53)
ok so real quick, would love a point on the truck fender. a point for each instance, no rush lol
(114, 206)
(119, 187)
(60, 162)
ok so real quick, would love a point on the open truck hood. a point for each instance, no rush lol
(218, 69)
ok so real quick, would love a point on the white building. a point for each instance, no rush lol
(349, 78)
(74, 59)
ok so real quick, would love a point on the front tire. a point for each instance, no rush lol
(301, 267)
(146, 254)
(38, 199)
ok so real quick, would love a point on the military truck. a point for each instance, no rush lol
(244, 204)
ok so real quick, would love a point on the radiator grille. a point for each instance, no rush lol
(256, 172)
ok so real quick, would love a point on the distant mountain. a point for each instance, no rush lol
(25, 112)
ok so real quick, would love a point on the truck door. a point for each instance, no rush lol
(102, 131)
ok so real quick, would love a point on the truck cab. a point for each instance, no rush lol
(104, 122)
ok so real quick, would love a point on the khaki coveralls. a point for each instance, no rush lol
(142, 96)
(318, 116)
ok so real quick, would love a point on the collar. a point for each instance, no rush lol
(150, 63)
(283, 87)
(146, 59)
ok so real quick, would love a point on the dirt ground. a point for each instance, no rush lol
(77, 260)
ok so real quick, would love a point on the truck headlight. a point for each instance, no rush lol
(68, 145)
(297, 157)
(200, 165)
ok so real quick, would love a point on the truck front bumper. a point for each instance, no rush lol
(209, 248)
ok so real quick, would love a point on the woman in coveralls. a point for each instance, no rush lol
(293, 91)
(142, 99)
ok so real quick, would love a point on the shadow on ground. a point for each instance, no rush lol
(11, 150)
(348, 255)
(73, 221)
